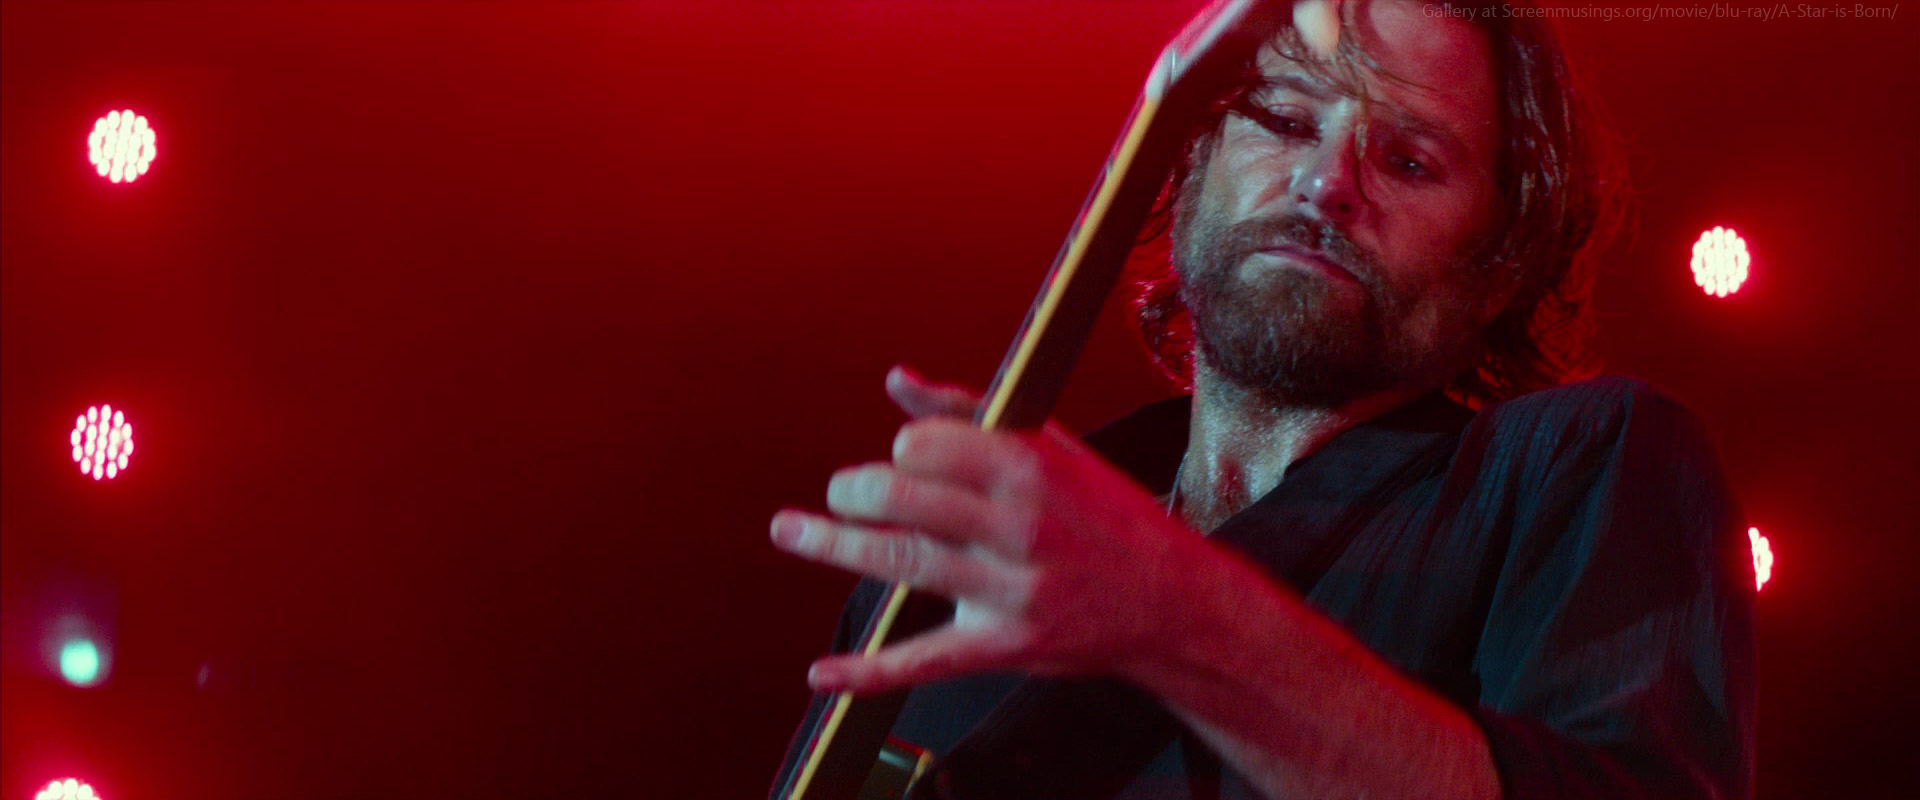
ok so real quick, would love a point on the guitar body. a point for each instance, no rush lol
(837, 752)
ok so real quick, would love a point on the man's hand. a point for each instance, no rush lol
(1061, 565)
(1057, 562)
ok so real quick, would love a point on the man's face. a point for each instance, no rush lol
(1320, 267)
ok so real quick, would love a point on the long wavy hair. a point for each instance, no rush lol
(1560, 181)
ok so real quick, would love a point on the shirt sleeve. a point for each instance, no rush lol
(1617, 656)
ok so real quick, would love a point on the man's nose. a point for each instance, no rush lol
(1326, 181)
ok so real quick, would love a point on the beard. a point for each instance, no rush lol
(1294, 337)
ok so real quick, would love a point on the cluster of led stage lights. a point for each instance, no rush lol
(102, 442)
(121, 147)
(1720, 262)
(69, 789)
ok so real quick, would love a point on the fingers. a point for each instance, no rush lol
(1318, 22)
(920, 398)
(917, 560)
(879, 493)
(950, 450)
(945, 652)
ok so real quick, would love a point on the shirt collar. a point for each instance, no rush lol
(1148, 443)
(1298, 528)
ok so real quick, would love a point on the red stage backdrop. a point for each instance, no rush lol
(471, 346)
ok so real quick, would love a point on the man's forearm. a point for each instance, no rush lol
(1298, 706)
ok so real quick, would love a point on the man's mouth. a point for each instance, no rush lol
(1312, 260)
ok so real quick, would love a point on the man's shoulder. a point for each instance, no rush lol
(1600, 408)
(1595, 427)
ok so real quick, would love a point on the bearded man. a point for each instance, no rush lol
(1386, 548)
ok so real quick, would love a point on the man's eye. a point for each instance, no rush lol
(1408, 166)
(1288, 125)
(1292, 128)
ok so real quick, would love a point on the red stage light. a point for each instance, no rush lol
(102, 442)
(68, 789)
(1720, 262)
(121, 146)
(1762, 558)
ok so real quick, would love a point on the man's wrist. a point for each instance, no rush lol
(1215, 611)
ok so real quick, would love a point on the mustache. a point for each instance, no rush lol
(1246, 237)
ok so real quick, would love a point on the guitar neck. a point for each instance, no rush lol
(1191, 72)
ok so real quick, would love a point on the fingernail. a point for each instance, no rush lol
(787, 529)
(822, 677)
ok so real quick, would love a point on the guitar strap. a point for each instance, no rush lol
(1088, 738)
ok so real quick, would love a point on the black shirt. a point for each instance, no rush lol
(1569, 567)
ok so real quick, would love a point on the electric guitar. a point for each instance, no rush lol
(842, 753)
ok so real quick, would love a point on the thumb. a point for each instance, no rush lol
(943, 653)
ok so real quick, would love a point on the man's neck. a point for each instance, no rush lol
(1239, 442)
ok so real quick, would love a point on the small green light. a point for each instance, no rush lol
(80, 662)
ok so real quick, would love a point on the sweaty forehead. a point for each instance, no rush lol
(1441, 66)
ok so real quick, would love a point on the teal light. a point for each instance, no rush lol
(80, 662)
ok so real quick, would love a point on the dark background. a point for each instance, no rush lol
(470, 348)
